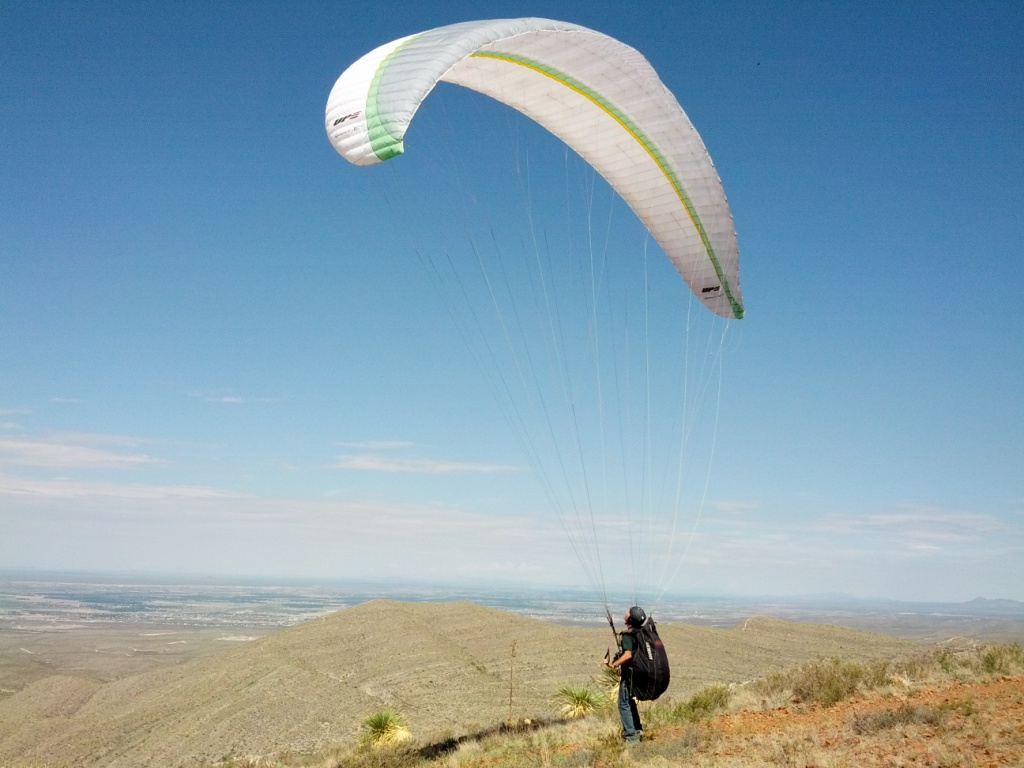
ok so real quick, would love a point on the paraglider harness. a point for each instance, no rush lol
(647, 672)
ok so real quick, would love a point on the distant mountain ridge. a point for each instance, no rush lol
(1000, 605)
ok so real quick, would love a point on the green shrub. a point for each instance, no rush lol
(1002, 659)
(578, 701)
(702, 704)
(827, 681)
(876, 674)
(774, 683)
(385, 727)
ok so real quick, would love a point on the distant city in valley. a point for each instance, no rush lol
(50, 600)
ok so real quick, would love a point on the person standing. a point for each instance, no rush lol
(632, 729)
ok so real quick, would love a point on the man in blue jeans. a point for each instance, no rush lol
(632, 730)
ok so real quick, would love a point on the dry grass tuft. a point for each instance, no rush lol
(1003, 659)
(906, 714)
(388, 756)
(575, 701)
(826, 681)
(385, 727)
(702, 705)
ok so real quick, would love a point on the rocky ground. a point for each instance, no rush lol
(977, 724)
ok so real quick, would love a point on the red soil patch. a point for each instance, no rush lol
(976, 725)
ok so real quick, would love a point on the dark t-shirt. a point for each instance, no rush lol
(628, 644)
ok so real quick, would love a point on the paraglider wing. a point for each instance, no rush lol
(598, 95)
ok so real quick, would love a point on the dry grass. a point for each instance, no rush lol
(826, 681)
(829, 681)
(936, 708)
(905, 714)
(940, 708)
(297, 697)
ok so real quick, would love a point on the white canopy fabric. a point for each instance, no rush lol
(598, 95)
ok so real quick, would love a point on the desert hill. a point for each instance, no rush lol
(445, 665)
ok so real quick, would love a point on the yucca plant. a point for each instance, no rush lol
(609, 682)
(578, 701)
(385, 727)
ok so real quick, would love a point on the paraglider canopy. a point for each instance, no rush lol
(598, 95)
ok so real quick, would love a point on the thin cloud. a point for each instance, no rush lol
(894, 534)
(68, 452)
(734, 507)
(65, 489)
(929, 521)
(230, 399)
(405, 465)
(199, 528)
(379, 445)
(107, 501)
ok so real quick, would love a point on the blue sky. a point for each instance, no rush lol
(219, 352)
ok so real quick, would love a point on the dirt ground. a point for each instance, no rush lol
(974, 725)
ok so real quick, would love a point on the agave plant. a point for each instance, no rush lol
(385, 727)
(578, 701)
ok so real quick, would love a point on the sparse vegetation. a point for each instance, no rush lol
(684, 733)
(385, 727)
(829, 681)
(702, 704)
(1003, 659)
(965, 664)
(575, 701)
(392, 756)
(248, 761)
(609, 682)
(826, 681)
(460, 706)
(905, 714)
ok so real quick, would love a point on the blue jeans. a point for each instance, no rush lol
(631, 727)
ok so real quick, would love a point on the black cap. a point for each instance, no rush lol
(636, 616)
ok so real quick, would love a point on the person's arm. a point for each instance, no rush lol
(619, 660)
